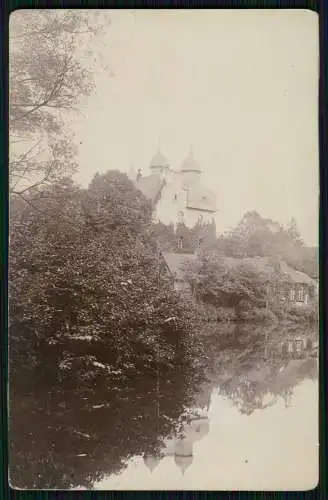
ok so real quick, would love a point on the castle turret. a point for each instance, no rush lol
(159, 165)
(190, 170)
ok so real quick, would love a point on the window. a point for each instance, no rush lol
(175, 197)
(180, 243)
(298, 345)
(300, 295)
(180, 217)
(292, 294)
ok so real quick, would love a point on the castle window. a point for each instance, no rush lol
(180, 217)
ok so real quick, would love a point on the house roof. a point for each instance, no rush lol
(150, 186)
(296, 276)
(176, 262)
(266, 265)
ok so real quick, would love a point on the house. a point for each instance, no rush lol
(293, 347)
(284, 284)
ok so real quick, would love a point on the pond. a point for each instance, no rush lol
(252, 424)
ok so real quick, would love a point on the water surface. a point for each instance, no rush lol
(252, 423)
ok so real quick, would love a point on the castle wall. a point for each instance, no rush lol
(172, 206)
(172, 201)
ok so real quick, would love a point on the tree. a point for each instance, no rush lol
(258, 236)
(50, 70)
(239, 284)
(84, 267)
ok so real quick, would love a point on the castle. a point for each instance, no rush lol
(177, 196)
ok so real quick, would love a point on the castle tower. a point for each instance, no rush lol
(159, 165)
(190, 170)
(183, 455)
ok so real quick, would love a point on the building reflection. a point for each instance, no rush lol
(181, 448)
(268, 366)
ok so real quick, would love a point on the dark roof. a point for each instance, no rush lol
(150, 186)
(201, 198)
(176, 262)
(266, 265)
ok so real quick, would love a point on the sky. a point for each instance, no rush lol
(240, 87)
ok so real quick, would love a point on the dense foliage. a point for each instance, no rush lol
(84, 264)
(89, 306)
(184, 239)
(242, 289)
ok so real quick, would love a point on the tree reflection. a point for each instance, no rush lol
(253, 366)
(68, 438)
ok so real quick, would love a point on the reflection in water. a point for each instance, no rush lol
(181, 448)
(257, 408)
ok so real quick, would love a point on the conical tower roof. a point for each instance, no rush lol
(151, 461)
(159, 160)
(190, 164)
(183, 462)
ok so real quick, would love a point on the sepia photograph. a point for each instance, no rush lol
(163, 280)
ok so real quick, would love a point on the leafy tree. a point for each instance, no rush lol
(86, 286)
(257, 236)
(50, 70)
(218, 283)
